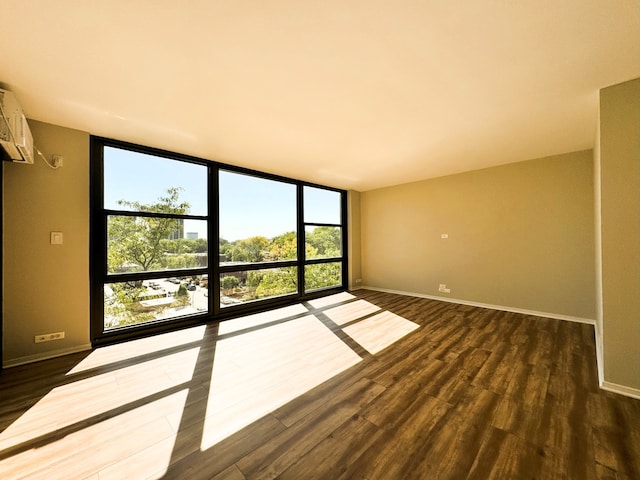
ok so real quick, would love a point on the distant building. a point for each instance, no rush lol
(192, 235)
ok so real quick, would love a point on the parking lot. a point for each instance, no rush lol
(198, 296)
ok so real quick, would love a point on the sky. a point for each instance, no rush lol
(249, 206)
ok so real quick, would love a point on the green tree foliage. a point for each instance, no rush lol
(224, 246)
(229, 282)
(322, 275)
(122, 307)
(277, 281)
(184, 245)
(321, 242)
(326, 241)
(253, 249)
(182, 296)
(284, 247)
(136, 243)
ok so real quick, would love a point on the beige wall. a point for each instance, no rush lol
(520, 236)
(619, 161)
(353, 212)
(46, 287)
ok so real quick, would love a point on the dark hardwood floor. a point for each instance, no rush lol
(361, 385)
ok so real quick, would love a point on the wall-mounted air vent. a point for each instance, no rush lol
(15, 135)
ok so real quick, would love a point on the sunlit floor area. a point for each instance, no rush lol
(354, 385)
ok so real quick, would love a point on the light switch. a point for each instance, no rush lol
(57, 238)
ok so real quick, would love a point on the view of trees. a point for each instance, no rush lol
(141, 243)
(147, 243)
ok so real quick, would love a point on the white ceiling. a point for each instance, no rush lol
(349, 93)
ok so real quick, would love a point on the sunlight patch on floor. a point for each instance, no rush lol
(380, 331)
(99, 445)
(76, 402)
(331, 300)
(351, 311)
(125, 351)
(259, 319)
(131, 409)
(259, 371)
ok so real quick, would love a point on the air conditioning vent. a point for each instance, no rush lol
(15, 135)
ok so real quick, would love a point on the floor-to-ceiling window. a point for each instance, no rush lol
(258, 238)
(154, 265)
(323, 233)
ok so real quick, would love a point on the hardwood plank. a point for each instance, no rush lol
(276, 455)
(395, 452)
(231, 473)
(470, 393)
(341, 448)
(503, 455)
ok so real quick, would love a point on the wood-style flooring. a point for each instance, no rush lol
(360, 385)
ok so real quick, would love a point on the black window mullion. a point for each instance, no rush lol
(147, 214)
(243, 267)
(314, 224)
(213, 203)
(345, 239)
(97, 238)
(301, 241)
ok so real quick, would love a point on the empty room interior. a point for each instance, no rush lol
(428, 256)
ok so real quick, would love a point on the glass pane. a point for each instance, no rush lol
(322, 275)
(130, 303)
(143, 244)
(323, 242)
(257, 219)
(246, 286)
(321, 206)
(146, 183)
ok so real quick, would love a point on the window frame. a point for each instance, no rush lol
(99, 275)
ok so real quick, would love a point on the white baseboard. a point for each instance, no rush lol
(502, 308)
(599, 353)
(45, 356)
(621, 389)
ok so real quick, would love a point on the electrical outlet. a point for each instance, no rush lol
(358, 280)
(47, 337)
(57, 161)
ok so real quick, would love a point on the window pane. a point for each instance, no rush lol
(322, 275)
(146, 183)
(323, 242)
(321, 206)
(246, 286)
(130, 303)
(143, 244)
(257, 219)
